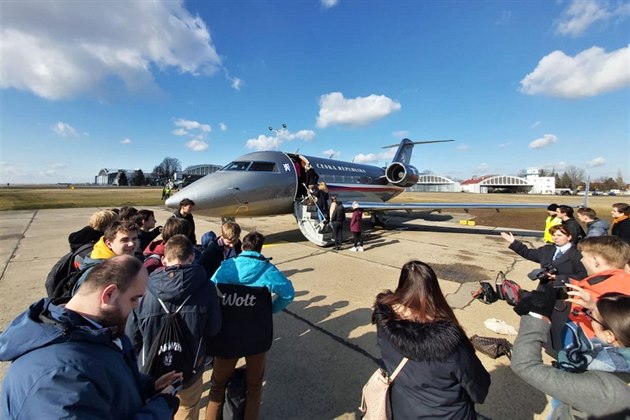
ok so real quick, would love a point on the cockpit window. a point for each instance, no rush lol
(263, 167)
(237, 166)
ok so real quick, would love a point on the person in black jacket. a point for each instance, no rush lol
(185, 212)
(337, 217)
(443, 377)
(178, 283)
(95, 228)
(621, 221)
(558, 263)
(228, 245)
(565, 213)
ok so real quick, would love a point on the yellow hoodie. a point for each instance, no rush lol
(101, 251)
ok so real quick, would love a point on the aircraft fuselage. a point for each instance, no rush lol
(266, 183)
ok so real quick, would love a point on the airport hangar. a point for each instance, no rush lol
(533, 184)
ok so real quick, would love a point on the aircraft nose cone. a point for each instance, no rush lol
(172, 202)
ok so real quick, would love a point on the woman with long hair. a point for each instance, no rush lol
(443, 377)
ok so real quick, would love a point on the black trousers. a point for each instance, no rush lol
(337, 232)
(358, 239)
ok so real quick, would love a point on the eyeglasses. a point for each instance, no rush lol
(589, 315)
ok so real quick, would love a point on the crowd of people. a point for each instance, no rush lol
(96, 349)
(90, 353)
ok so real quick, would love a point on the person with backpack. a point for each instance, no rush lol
(120, 238)
(74, 361)
(443, 377)
(95, 228)
(180, 289)
(558, 263)
(252, 272)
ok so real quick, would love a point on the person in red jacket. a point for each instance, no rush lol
(604, 258)
(355, 227)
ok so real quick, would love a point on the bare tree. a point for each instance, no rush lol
(574, 176)
(619, 180)
(167, 168)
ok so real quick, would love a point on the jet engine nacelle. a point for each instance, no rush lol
(401, 174)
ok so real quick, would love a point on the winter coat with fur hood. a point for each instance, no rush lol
(443, 378)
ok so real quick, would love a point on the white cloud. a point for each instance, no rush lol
(236, 83)
(179, 132)
(334, 109)
(544, 141)
(504, 145)
(462, 147)
(589, 73)
(536, 124)
(64, 129)
(192, 125)
(504, 20)
(598, 161)
(329, 3)
(263, 142)
(331, 154)
(402, 134)
(61, 49)
(375, 157)
(482, 168)
(222, 127)
(197, 145)
(581, 14)
(126, 141)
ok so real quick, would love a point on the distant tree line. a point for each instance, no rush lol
(161, 174)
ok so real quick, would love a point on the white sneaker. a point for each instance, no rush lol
(360, 249)
(353, 249)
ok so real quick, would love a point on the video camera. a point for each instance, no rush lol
(543, 274)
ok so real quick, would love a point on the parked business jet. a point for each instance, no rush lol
(272, 183)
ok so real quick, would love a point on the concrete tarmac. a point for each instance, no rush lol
(324, 346)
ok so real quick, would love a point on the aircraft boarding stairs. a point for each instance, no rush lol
(310, 221)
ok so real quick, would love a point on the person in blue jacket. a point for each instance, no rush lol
(184, 285)
(74, 361)
(253, 270)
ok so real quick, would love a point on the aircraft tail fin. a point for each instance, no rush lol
(403, 154)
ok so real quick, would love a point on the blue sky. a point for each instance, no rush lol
(123, 84)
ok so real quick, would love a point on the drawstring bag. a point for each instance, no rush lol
(491, 346)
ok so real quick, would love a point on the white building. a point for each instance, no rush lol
(540, 184)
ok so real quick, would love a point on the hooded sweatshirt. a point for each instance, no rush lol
(250, 268)
(597, 227)
(63, 366)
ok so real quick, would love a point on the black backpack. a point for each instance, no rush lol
(66, 285)
(172, 347)
(61, 271)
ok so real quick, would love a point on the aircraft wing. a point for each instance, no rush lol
(380, 206)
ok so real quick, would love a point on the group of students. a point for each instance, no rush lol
(82, 355)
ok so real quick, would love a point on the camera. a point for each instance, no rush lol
(543, 274)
